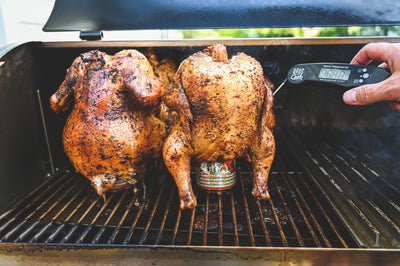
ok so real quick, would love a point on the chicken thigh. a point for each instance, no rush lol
(224, 111)
(112, 132)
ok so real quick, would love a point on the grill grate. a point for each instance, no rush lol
(300, 212)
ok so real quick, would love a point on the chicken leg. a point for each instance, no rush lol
(262, 151)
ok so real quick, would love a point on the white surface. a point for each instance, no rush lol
(23, 20)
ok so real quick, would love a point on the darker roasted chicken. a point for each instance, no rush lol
(112, 132)
(224, 111)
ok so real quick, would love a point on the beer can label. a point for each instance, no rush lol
(120, 184)
(215, 176)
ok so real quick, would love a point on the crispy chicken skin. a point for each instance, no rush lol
(165, 70)
(112, 132)
(225, 112)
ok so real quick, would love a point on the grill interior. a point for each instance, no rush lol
(66, 210)
(334, 182)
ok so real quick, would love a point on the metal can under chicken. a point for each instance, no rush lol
(216, 176)
(120, 184)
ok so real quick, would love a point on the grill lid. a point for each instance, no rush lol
(95, 15)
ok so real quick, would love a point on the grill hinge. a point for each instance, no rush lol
(91, 35)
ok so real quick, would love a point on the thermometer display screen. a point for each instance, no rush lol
(338, 74)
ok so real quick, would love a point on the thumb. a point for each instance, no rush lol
(394, 105)
(364, 95)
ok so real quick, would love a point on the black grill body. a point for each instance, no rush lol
(334, 183)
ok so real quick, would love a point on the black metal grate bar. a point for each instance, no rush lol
(48, 210)
(320, 208)
(75, 227)
(235, 226)
(178, 220)
(353, 189)
(246, 208)
(130, 233)
(206, 219)
(303, 212)
(30, 215)
(62, 225)
(159, 236)
(220, 224)
(25, 199)
(340, 198)
(150, 219)
(190, 233)
(264, 226)
(104, 226)
(281, 233)
(44, 229)
(22, 206)
(126, 212)
(287, 212)
(90, 225)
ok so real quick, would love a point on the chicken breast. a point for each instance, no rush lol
(225, 112)
(112, 132)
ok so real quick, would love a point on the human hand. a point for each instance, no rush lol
(387, 90)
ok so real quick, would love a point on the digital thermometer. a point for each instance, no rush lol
(343, 75)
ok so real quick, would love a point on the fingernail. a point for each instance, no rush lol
(350, 97)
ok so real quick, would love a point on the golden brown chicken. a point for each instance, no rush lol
(111, 133)
(225, 112)
(165, 70)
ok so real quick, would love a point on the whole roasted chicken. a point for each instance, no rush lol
(224, 111)
(112, 132)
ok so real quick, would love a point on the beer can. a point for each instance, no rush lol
(120, 184)
(215, 176)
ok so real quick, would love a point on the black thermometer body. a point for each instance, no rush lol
(345, 75)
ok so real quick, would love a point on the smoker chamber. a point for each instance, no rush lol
(66, 210)
(333, 185)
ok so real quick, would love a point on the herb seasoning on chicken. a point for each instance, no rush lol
(112, 131)
(225, 112)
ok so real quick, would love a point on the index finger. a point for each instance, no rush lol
(370, 52)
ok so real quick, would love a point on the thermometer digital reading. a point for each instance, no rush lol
(342, 75)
